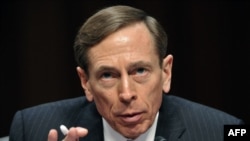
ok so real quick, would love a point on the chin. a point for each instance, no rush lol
(134, 132)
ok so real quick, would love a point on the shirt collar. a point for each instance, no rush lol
(111, 135)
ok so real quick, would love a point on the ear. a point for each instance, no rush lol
(167, 73)
(84, 83)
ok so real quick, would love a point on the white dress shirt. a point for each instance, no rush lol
(111, 135)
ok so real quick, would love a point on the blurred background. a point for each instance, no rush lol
(210, 42)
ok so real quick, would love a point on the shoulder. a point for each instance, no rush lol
(41, 118)
(54, 110)
(198, 112)
(200, 122)
(60, 105)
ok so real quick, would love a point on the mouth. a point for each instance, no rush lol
(131, 119)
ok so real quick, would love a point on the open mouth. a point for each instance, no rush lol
(131, 118)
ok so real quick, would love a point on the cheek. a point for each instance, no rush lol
(103, 105)
(155, 99)
(154, 93)
(103, 99)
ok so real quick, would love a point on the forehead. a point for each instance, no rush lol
(131, 42)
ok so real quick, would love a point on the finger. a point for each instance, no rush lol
(52, 136)
(75, 133)
(82, 132)
(72, 135)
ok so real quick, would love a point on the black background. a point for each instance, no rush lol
(209, 41)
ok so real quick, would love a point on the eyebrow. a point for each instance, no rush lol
(106, 67)
(130, 66)
(140, 64)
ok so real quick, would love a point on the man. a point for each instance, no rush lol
(125, 73)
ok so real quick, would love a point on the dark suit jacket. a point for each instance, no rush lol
(179, 119)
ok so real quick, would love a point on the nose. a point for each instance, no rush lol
(126, 90)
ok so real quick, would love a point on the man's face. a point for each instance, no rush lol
(125, 79)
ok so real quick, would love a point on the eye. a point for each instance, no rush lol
(140, 71)
(106, 75)
(141, 74)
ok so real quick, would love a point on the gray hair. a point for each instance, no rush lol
(108, 21)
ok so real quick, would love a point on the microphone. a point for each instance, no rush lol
(160, 138)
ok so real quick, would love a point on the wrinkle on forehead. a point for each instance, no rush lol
(127, 43)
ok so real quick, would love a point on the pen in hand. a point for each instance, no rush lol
(64, 129)
(80, 132)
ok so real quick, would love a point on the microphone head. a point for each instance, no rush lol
(160, 138)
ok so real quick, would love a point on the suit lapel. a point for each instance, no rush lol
(169, 126)
(91, 119)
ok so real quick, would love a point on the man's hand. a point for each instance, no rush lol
(73, 135)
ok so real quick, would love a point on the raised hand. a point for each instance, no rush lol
(73, 134)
